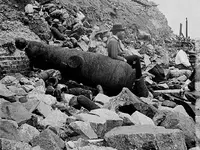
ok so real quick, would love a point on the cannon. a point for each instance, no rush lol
(85, 67)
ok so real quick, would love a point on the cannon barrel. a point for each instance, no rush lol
(85, 67)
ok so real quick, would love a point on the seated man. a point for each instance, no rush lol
(181, 59)
(115, 51)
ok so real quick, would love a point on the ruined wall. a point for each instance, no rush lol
(12, 60)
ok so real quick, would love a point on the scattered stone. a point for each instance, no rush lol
(127, 119)
(27, 133)
(145, 137)
(165, 108)
(5, 92)
(31, 105)
(181, 109)
(28, 88)
(102, 99)
(29, 9)
(70, 144)
(195, 148)
(177, 73)
(49, 99)
(40, 82)
(67, 98)
(112, 119)
(86, 103)
(141, 119)
(182, 78)
(8, 130)
(38, 90)
(14, 111)
(14, 145)
(48, 140)
(169, 103)
(17, 90)
(36, 148)
(128, 102)
(44, 109)
(25, 81)
(97, 123)
(83, 128)
(176, 120)
(80, 91)
(55, 119)
(83, 46)
(9, 80)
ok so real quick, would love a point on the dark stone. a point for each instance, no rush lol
(57, 34)
(23, 99)
(86, 103)
(169, 104)
(80, 91)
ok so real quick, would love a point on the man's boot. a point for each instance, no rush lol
(140, 89)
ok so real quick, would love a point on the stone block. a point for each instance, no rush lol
(55, 119)
(141, 119)
(112, 118)
(103, 99)
(6, 144)
(48, 140)
(27, 132)
(44, 109)
(14, 111)
(83, 128)
(176, 120)
(97, 123)
(145, 137)
(8, 130)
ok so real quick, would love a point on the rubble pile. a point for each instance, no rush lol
(35, 116)
(45, 111)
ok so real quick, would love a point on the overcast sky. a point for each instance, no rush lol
(177, 10)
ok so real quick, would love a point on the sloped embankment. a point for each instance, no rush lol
(140, 14)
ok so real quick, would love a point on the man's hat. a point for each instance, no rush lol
(117, 27)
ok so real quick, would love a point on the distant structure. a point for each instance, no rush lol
(180, 31)
(186, 31)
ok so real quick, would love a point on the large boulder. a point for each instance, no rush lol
(27, 133)
(128, 102)
(5, 92)
(176, 120)
(97, 123)
(112, 119)
(48, 140)
(44, 109)
(8, 130)
(6, 144)
(55, 119)
(141, 119)
(145, 137)
(83, 128)
(14, 111)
